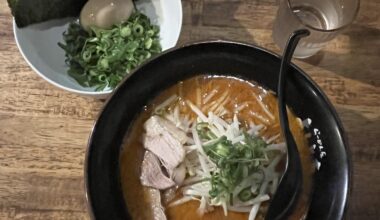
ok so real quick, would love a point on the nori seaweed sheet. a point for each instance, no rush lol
(28, 12)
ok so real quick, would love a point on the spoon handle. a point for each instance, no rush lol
(281, 93)
(290, 185)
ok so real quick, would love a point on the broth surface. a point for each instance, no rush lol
(242, 96)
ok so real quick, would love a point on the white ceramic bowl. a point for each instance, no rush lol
(38, 43)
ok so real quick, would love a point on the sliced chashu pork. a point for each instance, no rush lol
(165, 140)
(151, 173)
(158, 210)
(156, 125)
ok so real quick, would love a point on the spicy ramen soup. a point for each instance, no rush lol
(209, 147)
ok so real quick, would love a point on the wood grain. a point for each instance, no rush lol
(44, 130)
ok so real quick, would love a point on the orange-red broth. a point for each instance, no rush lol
(196, 89)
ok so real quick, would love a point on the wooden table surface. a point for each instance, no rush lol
(44, 130)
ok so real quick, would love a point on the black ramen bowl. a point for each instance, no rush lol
(103, 183)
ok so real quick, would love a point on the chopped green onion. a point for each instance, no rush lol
(101, 58)
(102, 78)
(245, 194)
(125, 31)
(148, 43)
(138, 29)
(235, 161)
(104, 64)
